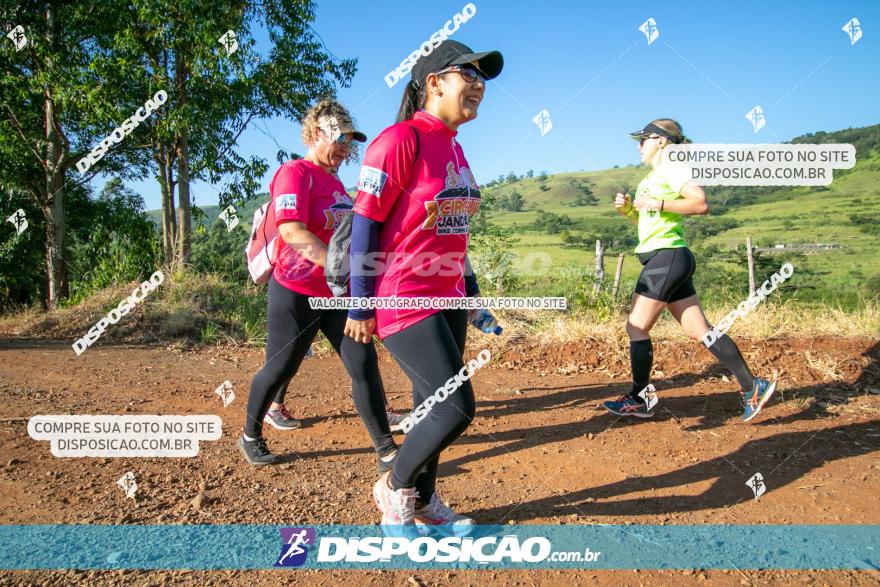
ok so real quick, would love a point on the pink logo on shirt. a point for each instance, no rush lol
(450, 211)
(336, 212)
(463, 179)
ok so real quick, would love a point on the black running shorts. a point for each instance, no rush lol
(667, 274)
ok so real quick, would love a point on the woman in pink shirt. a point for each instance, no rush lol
(416, 196)
(309, 204)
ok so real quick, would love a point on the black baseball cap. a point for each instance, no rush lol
(653, 129)
(489, 63)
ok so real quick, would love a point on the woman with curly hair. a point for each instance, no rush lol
(309, 203)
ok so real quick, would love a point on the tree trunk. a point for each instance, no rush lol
(56, 267)
(166, 182)
(53, 200)
(184, 215)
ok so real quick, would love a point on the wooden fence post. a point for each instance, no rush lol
(600, 267)
(751, 258)
(617, 273)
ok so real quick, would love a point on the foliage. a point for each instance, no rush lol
(218, 250)
(493, 260)
(112, 241)
(552, 223)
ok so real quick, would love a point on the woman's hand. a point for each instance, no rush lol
(622, 203)
(643, 203)
(360, 330)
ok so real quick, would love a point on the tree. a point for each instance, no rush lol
(112, 240)
(85, 68)
(511, 177)
(218, 249)
(553, 223)
(213, 96)
(530, 173)
(586, 197)
(22, 263)
(47, 94)
(515, 202)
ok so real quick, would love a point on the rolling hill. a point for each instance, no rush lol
(579, 208)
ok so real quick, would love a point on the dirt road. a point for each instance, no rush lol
(539, 451)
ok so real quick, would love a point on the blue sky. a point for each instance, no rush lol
(593, 70)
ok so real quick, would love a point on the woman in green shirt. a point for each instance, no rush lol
(663, 198)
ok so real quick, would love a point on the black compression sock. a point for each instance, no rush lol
(641, 358)
(726, 351)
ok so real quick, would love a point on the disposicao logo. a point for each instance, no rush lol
(295, 547)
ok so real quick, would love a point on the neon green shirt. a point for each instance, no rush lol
(662, 230)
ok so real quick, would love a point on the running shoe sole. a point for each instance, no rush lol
(763, 401)
(642, 415)
(445, 530)
(272, 423)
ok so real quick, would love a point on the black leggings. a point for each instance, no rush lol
(430, 352)
(293, 326)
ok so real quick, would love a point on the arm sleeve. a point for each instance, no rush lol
(364, 242)
(386, 171)
(471, 287)
(290, 194)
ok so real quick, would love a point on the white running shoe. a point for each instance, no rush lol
(397, 506)
(441, 518)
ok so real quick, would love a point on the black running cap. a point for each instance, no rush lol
(653, 129)
(489, 63)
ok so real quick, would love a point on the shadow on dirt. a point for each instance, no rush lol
(781, 459)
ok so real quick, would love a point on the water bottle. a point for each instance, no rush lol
(485, 322)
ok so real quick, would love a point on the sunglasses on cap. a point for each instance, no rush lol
(643, 139)
(470, 74)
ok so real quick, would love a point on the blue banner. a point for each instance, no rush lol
(497, 547)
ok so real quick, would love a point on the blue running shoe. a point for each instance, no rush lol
(626, 405)
(281, 419)
(757, 397)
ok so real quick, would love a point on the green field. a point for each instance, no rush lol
(800, 215)
(846, 213)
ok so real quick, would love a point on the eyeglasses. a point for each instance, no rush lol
(469, 74)
(342, 139)
(642, 142)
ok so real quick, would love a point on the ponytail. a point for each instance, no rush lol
(412, 100)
